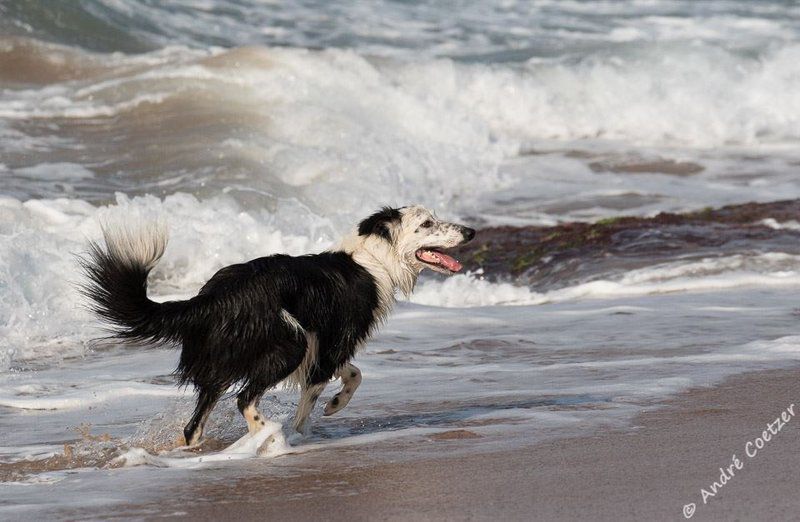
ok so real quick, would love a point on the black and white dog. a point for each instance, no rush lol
(274, 318)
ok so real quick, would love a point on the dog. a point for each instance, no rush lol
(273, 319)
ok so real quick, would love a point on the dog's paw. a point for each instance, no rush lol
(336, 403)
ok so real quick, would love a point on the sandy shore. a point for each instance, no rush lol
(648, 472)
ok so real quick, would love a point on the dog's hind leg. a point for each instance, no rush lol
(308, 398)
(311, 381)
(206, 399)
(351, 379)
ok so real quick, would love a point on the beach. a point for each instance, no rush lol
(648, 471)
(625, 321)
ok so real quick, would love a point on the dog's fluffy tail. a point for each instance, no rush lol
(117, 284)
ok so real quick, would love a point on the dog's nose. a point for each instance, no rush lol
(468, 233)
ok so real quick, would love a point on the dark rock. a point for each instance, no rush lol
(559, 255)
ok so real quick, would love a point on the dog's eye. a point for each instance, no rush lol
(427, 224)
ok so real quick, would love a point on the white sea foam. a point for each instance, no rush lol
(465, 290)
(267, 442)
(42, 316)
(85, 398)
(786, 225)
(323, 137)
(55, 172)
(698, 95)
(271, 442)
(717, 273)
(320, 138)
(691, 96)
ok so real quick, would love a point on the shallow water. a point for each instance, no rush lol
(253, 129)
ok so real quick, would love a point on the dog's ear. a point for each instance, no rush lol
(379, 223)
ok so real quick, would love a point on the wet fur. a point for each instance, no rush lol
(255, 324)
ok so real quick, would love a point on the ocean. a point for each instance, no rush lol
(257, 127)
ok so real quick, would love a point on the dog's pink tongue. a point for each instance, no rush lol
(439, 258)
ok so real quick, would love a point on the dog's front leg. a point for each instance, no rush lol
(351, 379)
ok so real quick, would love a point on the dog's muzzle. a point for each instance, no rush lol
(436, 259)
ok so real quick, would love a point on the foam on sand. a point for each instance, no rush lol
(267, 442)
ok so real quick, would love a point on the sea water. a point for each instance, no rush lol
(254, 128)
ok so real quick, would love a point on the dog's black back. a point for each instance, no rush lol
(236, 331)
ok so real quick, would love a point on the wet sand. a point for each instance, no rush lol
(649, 471)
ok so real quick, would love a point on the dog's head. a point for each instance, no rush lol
(417, 237)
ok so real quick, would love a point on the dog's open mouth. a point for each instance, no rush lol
(438, 260)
